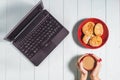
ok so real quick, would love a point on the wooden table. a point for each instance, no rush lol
(60, 64)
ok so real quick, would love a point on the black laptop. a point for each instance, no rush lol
(37, 34)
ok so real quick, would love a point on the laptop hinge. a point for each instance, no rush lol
(22, 24)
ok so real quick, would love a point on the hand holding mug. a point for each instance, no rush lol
(94, 63)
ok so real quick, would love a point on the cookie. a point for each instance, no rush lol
(86, 38)
(88, 28)
(98, 30)
(95, 41)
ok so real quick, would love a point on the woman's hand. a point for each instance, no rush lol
(84, 73)
(95, 73)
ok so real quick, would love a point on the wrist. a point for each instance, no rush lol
(95, 78)
(83, 77)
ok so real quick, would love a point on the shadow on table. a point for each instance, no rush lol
(74, 32)
(74, 69)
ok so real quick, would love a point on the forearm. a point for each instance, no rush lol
(83, 77)
(95, 78)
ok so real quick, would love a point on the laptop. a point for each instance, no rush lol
(37, 34)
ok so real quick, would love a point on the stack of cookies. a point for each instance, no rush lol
(92, 34)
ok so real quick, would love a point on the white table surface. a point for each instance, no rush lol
(60, 64)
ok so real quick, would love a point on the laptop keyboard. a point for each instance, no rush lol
(40, 36)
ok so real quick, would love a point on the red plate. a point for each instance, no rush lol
(104, 36)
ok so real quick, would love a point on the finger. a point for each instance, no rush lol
(81, 66)
(96, 57)
(82, 69)
(78, 65)
(97, 68)
(98, 65)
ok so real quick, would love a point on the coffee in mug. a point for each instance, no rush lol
(89, 62)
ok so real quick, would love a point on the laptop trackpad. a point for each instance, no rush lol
(38, 57)
(42, 54)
